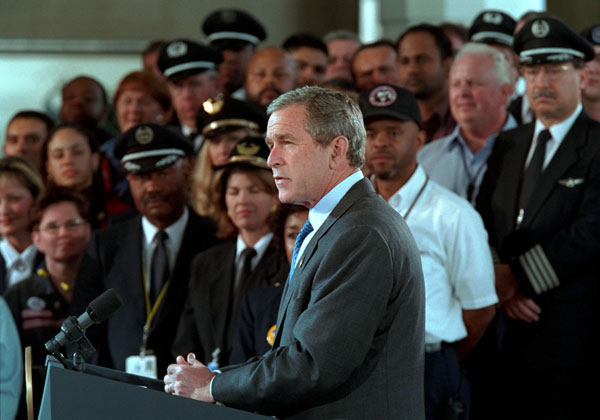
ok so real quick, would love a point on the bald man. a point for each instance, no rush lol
(271, 72)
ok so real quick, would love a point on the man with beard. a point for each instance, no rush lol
(590, 94)
(236, 33)
(84, 102)
(457, 264)
(424, 59)
(271, 72)
(146, 259)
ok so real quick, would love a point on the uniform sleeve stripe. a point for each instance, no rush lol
(551, 274)
(530, 276)
(538, 269)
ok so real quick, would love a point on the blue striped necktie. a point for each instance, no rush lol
(306, 229)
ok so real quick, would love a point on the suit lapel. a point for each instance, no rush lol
(358, 190)
(132, 271)
(563, 159)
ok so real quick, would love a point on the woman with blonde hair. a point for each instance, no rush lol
(222, 123)
(20, 185)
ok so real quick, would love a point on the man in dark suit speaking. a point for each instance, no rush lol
(350, 329)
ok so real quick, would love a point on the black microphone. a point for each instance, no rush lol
(97, 311)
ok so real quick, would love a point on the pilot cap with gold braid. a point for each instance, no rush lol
(150, 147)
(252, 151)
(220, 114)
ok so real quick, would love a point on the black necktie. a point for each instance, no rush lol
(534, 170)
(159, 271)
(244, 269)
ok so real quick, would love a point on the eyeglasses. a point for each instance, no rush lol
(552, 71)
(70, 225)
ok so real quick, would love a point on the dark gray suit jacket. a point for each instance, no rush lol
(350, 332)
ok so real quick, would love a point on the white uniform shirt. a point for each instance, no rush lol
(456, 259)
(19, 265)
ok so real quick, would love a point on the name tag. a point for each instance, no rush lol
(141, 365)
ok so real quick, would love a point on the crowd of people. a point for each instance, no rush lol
(484, 139)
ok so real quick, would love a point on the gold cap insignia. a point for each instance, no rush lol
(214, 105)
(247, 149)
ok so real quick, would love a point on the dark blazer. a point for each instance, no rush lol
(553, 253)
(258, 316)
(114, 260)
(209, 319)
(39, 257)
(350, 336)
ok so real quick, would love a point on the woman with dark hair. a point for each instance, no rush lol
(258, 309)
(71, 160)
(20, 184)
(246, 200)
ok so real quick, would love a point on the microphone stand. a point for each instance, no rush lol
(75, 333)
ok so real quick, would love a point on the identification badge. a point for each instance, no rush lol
(141, 365)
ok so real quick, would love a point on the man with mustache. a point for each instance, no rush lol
(424, 59)
(540, 202)
(457, 264)
(147, 258)
(271, 72)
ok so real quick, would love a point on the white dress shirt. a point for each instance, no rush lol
(456, 259)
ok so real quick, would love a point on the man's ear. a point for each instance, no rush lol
(339, 149)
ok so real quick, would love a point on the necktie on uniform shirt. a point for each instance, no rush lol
(535, 168)
(159, 271)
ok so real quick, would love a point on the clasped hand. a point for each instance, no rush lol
(189, 378)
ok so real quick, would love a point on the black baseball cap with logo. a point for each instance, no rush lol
(387, 101)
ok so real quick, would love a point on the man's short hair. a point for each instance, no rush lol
(501, 65)
(385, 43)
(341, 34)
(304, 39)
(328, 114)
(27, 113)
(91, 79)
(441, 39)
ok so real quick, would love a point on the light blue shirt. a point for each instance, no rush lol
(11, 364)
(452, 164)
(321, 211)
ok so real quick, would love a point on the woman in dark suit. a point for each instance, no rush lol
(246, 199)
(259, 307)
